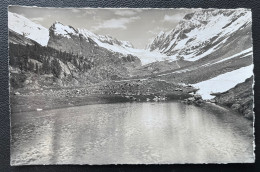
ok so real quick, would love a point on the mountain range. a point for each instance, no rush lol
(206, 46)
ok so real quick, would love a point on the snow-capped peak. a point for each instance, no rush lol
(27, 28)
(60, 29)
(106, 39)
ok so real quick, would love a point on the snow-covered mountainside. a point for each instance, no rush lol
(216, 46)
(60, 31)
(101, 40)
(25, 27)
(24, 31)
(16, 38)
(203, 32)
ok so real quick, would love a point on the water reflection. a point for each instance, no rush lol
(131, 133)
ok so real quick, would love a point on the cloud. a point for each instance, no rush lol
(125, 12)
(37, 19)
(75, 10)
(173, 18)
(138, 10)
(153, 32)
(89, 12)
(119, 23)
(156, 30)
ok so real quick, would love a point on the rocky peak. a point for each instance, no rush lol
(58, 28)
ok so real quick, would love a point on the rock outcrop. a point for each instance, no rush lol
(240, 98)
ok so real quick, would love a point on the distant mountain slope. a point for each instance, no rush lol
(103, 41)
(25, 27)
(16, 38)
(204, 32)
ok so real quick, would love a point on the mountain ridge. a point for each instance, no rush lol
(194, 32)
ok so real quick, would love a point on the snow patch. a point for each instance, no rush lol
(223, 82)
(245, 53)
(66, 31)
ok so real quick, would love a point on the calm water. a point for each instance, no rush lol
(131, 133)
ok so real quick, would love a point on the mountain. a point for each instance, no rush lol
(25, 28)
(24, 31)
(60, 30)
(103, 50)
(206, 47)
(67, 54)
(28, 29)
(155, 44)
(200, 40)
(82, 41)
(204, 32)
(16, 38)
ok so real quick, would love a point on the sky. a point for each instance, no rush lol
(137, 25)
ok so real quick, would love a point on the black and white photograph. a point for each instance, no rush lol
(130, 86)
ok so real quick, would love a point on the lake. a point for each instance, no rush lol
(131, 133)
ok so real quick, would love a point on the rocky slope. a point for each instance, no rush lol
(240, 98)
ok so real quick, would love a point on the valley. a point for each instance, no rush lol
(63, 66)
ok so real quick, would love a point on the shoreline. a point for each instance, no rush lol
(21, 103)
(31, 103)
